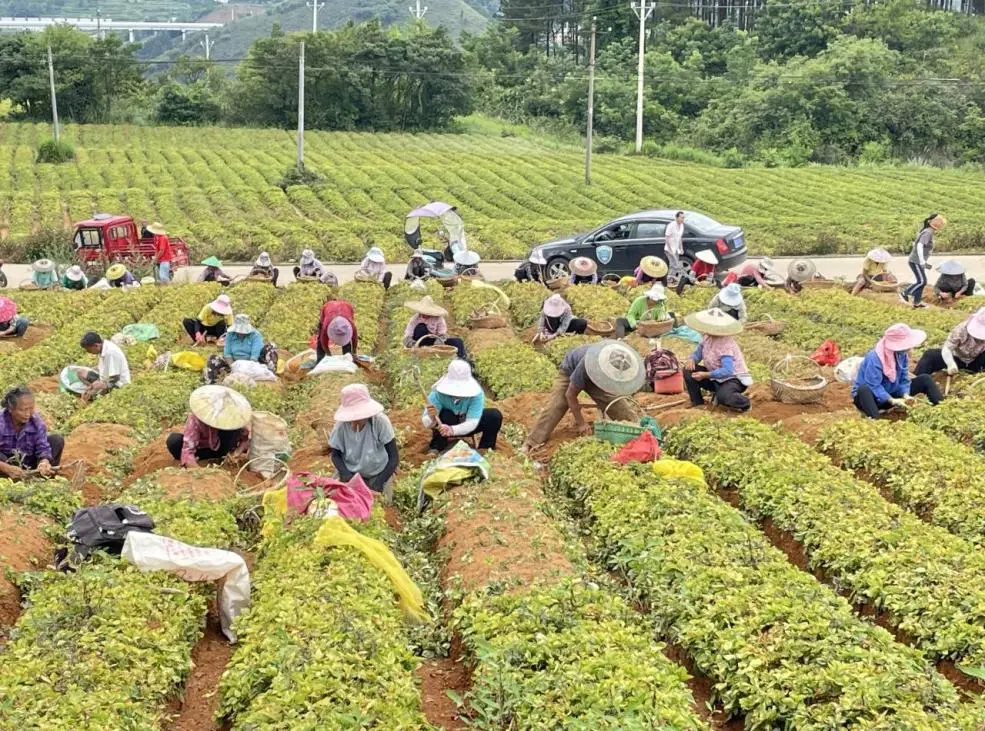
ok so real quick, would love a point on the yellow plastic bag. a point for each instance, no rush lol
(668, 467)
(274, 509)
(336, 532)
(188, 360)
(150, 357)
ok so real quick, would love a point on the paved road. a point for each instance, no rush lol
(837, 266)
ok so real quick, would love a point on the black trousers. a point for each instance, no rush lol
(727, 393)
(387, 278)
(865, 400)
(421, 331)
(489, 425)
(577, 326)
(932, 361)
(193, 326)
(30, 461)
(969, 289)
(228, 440)
(915, 290)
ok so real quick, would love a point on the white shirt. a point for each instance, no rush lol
(673, 236)
(112, 364)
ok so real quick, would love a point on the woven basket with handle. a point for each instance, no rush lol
(654, 328)
(488, 317)
(819, 284)
(792, 388)
(601, 327)
(557, 284)
(767, 326)
(884, 286)
(431, 351)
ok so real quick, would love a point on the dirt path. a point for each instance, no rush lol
(438, 676)
(196, 709)
(23, 547)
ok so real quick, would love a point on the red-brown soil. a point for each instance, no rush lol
(36, 332)
(93, 444)
(437, 676)
(23, 547)
(153, 457)
(196, 484)
(48, 384)
(495, 531)
(480, 339)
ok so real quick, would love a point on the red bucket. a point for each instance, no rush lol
(668, 382)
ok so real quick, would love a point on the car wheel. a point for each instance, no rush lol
(557, 268)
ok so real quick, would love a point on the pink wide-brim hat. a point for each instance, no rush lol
(222, 305)
(340, 331)
(356, 404)
(903, 337)
(8, 309)
(554, 306)
(976, 325)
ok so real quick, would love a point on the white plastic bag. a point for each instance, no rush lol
(847, 369)
(150, 552)
(334, 364)
(252, 369)
(268, 438)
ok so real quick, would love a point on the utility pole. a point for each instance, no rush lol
(417, 11)
(642, 12)
(314, 5)
(301, 109)
(54, 101)
(591, 108)
(207, 45)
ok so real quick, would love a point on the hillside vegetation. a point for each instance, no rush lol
(217, 187)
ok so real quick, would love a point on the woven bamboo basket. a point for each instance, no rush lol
(366, 279)
(767, 326)
(447, 282)
(611, 280)
(488, 318)
(307, 280)
(774, 280)
(601, 327)
(618, 432)
(790, 388)
(819, 283)
(654, 328)
(557, 284)
(884, 286)
(431, 351)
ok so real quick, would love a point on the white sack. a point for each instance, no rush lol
(150, 552)
(252, 369)
(268, 438)
(334, 364)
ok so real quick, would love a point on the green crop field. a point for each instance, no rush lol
(218, 188)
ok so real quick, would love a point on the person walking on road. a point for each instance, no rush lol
(919, 259)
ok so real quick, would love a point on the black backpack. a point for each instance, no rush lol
(102, 526)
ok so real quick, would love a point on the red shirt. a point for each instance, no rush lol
(162, 248)
(329, 311)
(702, 269)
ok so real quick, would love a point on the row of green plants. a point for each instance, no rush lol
(324, 644)
(292, 319)
(545, 646)
(781, 650)
(928, 582)
(513, 367)
(962, 419)
(61, 347)
(108, 645)
(925, 471)
(54, 308)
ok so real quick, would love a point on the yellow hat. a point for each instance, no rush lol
(653, 266)
(116, 271)
(220, 407)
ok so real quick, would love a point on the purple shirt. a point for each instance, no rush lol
(30, 441)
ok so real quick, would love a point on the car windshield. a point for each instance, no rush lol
(87, 238)
(703, 224)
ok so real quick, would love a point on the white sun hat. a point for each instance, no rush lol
(458, 381)
(731, 295)
(467, 258)
(375, 254)
(707, 256)
(656, 292)
(615, 367)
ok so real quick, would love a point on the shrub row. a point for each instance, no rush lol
(930, 584)
(780, 648)
(961, 419)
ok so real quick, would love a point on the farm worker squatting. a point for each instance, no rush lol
(729, 300)
(953, 283)
(651, 305)
(460, 404)
(25, 443)
(883, 378)
(428, 326)
(605, 371)
(310, 268)
(75, 278)
(43, 274)
(583, 271)
(212, 322)
(112, 367)
(651, 269)
(717, 364)
(217, 426)
(363, 441)
(556, 319)
(12, 325)
(243, 342)
(213, 272)
(118, 276)
(264, 267)
(373, 268)
(875, 268)
(964, 349)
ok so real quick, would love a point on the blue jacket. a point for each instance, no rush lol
(870, 374)
(243, 347)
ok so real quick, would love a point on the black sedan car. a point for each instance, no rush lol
(618, 245)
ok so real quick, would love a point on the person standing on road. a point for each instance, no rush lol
(163, 255)
(883, 378)
(919, 259)
(964, 349)
(605, 371)
(674, 244)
